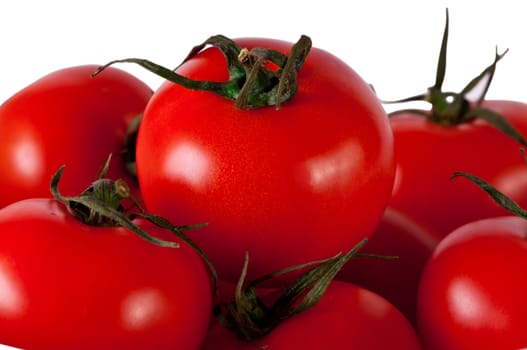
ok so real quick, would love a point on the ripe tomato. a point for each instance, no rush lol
(472, 292)
(397, 280)
(428, 154)
(289, 185)
(346, 317)
(67, 285)
(457, 134)
(66, 117)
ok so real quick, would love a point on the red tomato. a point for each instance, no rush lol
(397, 279)
(462, 132)
(472, 292)
(67, 285)
(346, 317)
(290, 185)
(428, 154)
(66, 117)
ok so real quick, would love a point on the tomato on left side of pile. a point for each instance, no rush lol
(66, 117)
(68, 285)
(473, 290)
(289, 185)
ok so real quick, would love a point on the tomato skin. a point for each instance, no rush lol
(66, 118)
(291, 185)
(428, 154)
(473, 288)
(66, 285)
(397, 280)
(347, 317)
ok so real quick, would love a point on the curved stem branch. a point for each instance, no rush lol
(251, 84)
(93, 211)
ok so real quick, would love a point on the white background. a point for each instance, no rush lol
(391, 44)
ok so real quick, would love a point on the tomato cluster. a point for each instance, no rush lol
(261, 197)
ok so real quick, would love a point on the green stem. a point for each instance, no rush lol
(250, 318)
(178, 231)
(500, 198)
(251, 84)
(223, 89)
(93, 210)
(451, 108)
(100, 205)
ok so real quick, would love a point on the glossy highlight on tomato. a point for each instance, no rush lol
(289, 185)
(473, 288)
(66, 118)
(68, 285)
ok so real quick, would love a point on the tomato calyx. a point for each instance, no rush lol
(451, 108)
(101, 204)
(252, 82)
(251, 318)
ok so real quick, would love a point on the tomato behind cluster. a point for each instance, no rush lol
(66, 117)
(428, 154)
(288, 185)
(457, 133)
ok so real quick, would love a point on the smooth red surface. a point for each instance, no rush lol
(291, 185)
(66, 285)
(472, 293)
(428, 154)
(66, 118)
